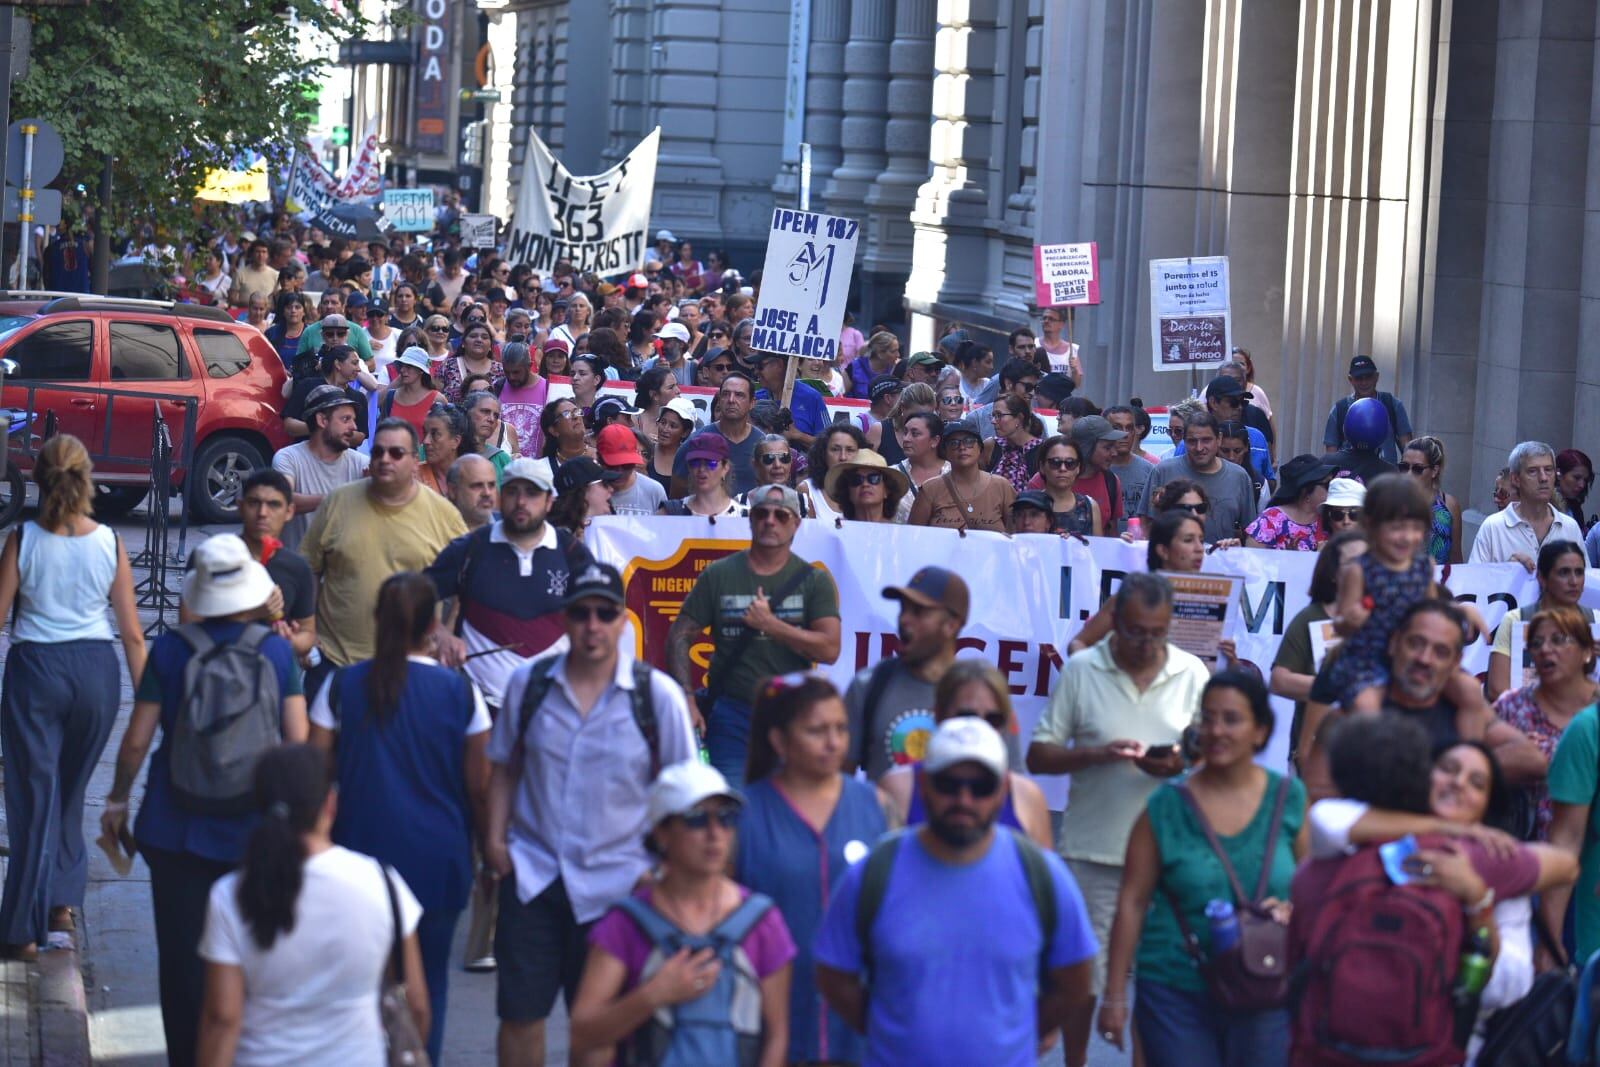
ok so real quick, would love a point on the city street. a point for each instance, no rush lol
(119, 955)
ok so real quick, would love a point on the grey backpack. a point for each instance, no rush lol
(231, 712)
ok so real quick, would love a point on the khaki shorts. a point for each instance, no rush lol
(1098, 882)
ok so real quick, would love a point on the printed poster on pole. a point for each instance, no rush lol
(1191, 326)
(805, 282)
(478, 231)
(1066, 275)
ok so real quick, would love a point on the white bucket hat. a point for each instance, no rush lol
(224, 579)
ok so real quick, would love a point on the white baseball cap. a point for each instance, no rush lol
(536, 472)
(674, 331)
(684, 408)
(225, 580)
(1346, 493)
(682, 787)
(965, 739)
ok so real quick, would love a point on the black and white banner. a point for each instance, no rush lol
(600, 222)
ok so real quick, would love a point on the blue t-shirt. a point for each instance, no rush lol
(781, 855)
(955, 955)
(162, 823)
(805, 404)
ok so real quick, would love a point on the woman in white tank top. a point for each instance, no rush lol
(61, 689)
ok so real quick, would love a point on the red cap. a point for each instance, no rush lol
(637, 280)
(618, 447)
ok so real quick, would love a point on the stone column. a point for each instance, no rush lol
(1586, 408)
(830, 28)
(630, 62)
(865, 100)
(887, 260)
(683, 97)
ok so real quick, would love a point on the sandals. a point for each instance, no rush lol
(62, 921)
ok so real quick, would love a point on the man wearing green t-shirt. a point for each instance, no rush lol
(770, 613)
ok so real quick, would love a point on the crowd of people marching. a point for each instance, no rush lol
(404, 691)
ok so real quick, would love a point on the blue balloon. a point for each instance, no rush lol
(1366, 424)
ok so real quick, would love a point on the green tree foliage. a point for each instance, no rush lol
(172, 88)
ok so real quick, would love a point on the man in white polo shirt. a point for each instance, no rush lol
(1518, 532)
(1115, 723)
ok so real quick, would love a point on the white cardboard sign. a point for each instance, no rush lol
(1191, 326)
(805, 283)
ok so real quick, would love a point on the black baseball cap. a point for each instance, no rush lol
(596, 580)
(1361, 366)
(579, 473)
(883, 385)
(1033, 498)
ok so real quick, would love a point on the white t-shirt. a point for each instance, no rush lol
(383, 353)
(313, 996)
(309, 475)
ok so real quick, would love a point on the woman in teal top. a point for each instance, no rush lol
(1170, 862)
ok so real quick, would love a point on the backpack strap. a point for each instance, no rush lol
(1279, 798)
(651, 922)
(397, 957)
(540, 678)
(475, 541)
(642, 701)
(714, 683)
(874, 885)
(741, 920)
(253, 637)
(333, 693)
(877, 684)
(194, 635)
(1043, 890)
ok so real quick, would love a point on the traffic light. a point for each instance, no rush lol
(474, 139)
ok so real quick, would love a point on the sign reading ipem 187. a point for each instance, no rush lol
(805, 283)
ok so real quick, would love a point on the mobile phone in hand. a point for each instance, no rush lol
(1160, 751)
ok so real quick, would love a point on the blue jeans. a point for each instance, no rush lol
(435, 930)
(1180, 1028)
(728, 738)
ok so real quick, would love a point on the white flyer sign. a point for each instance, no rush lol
(1066, 275)
(805, 282)
(600, 222)
(1191, 326)
(409, 210)
(478, 231)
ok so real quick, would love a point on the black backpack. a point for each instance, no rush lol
(540, 680)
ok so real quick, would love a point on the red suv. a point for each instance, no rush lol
(103, 364)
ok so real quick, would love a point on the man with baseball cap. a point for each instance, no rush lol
(326, 459)
(582, 736)
(509, 579)
(1363, 381)
(805, 403)
(769, 611)
(924, 367)
(333, 328)
(631, 494)
(1228, 401)
(338, 365)
(890, 703)
(993, 987)
(675, 340)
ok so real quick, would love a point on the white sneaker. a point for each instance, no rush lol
(480, 965)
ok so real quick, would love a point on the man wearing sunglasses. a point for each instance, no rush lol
(992, 987)
(770, 613)
(1017, 379)
(333, 328)
(1115, 722)
(572, 758)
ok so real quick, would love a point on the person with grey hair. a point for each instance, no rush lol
(472, 484)
(1521, 528)
(1115, 722)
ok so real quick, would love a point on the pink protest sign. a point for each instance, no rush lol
(1066, 275)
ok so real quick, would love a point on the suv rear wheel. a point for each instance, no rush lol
(13, 495)
(220, 467)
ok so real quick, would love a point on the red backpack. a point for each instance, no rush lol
(1373, 980)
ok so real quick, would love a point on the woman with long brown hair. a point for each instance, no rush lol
(61, 688)
(410, 741)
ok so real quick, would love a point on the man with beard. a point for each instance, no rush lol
(891, 702)
(946, 989)
(510, 578)
(325, 460)
(1115, 722)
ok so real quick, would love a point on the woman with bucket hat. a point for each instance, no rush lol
(1291, 520)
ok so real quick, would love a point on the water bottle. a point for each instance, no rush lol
(1473, 973)
(1136, 529)
(1224, 925)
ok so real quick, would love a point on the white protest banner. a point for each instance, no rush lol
(409, 210)
(600, 222)
(805, 282)
(478, 231)
(313, 190)
(1066, 275)
(364, 179)
(1190, 323)
(1030, 595)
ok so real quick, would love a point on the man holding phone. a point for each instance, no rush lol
(1114, 722)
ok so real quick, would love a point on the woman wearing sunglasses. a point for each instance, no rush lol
(1228, 829)
(436, 338)
(804, 823)
(707, 463)
(1423, 459)
(773, 463)
(951, 404)
(867, 488)
(1343, 508)
(561, 426)
(1071, 512)
(972, 687)
(632, 974)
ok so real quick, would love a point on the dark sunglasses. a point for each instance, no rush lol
(769, 458)
(1029, 387)
(392, 452)
(703, 464)
(1062, 464)
(769, 514)
(438, 329)
(1194, 509)
(1344, 514)
(953, 398)
(995, 719)
(719, 333)
(331, 330)
(584, 612)
(855, 481)
(981, 787)
(1415, 468)
(727, 818)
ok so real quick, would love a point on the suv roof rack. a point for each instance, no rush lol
(33, 294)
(81, 302)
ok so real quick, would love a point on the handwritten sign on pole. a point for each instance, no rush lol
(1066, 275)
(805, 283)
